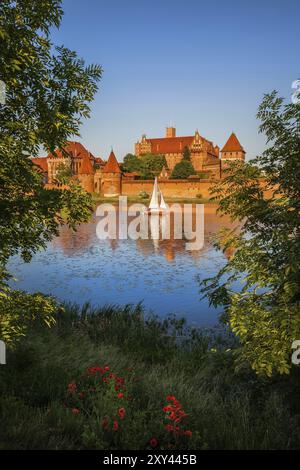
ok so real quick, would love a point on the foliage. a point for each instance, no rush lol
(143, 195)
(47, 95)
(63, 173)
(19, 309)
(186, 154)
(48, 91)
(265, 195)
(148, 165)
(182, 170)
(131, 163)
(193, 374)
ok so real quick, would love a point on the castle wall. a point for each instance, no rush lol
(111, 184)
(169, 188)
(172, 159)
(87, 182)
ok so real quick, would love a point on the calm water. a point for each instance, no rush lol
(161, 273)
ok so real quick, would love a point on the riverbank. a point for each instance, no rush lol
(98, 199)
(113, 378)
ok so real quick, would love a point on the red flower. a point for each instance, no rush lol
(169, 427)
(115, 425)
(188, 433)
(168, 408)
(106, 368)
(171, 398)
(72, 387)
(120, 395)
(121, 412)
(153, 442)
(75, 411)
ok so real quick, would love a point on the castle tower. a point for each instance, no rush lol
(111, 177)
(170, 132)
(232, 150)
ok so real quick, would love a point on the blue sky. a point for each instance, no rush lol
(196, 64)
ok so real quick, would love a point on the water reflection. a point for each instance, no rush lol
(158, 271)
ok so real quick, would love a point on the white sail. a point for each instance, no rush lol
(163, 205)
(154, 198)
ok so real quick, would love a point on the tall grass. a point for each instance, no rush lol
(227, 409)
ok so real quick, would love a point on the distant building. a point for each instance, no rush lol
(233, 150)
(107, 179)
(205, 156)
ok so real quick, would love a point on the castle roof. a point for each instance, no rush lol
(170, 144)
(41, 162)
(233, 145)
(167, 145)
(78, 151)
(112, 165)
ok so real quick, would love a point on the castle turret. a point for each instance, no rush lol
(232, 150)
(111, 177)
(170, 132)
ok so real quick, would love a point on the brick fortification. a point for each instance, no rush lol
(108, 180)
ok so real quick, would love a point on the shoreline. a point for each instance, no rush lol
(136, 199)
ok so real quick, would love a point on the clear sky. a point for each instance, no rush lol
(195, 64)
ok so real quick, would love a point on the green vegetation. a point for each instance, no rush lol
(48, 91)
(186, 154)
(183, 170)
(49, 400)
(148, 166)
(265, 314)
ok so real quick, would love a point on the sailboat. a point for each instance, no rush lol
(156, 206)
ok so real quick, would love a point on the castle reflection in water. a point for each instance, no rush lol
(162, 274)
(85, 237)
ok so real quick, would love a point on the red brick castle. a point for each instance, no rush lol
(107, 179)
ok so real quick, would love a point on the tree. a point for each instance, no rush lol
(148, 165)
(48, 90)
(151, 165)
(186, 155)
(265, 195)
(63, 174)
(182, 170)
(131, 163)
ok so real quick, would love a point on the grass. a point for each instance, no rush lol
(227, 409)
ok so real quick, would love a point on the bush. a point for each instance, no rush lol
(143, 195)
(183, 170)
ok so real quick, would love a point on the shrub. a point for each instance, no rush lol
(183, 170)
(143, 195)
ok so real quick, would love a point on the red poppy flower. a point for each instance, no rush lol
(121, 412)
(188, 433)
(171, 398)
(120, 395)
(72, 387)
(115, 425)
(153, 442)
(167, 408)
(106, 368)
(75, 411)
(169, 427)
